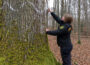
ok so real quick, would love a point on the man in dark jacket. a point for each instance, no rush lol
(63, 36)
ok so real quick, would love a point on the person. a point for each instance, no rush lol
(63, 36)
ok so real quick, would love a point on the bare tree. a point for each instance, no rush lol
(79, 12)
(62, 7)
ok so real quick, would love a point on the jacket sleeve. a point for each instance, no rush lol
(54, 33)
(58, 20)
(58, 32)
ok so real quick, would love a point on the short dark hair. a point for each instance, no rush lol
(68, 18)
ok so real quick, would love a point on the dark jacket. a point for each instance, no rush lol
(63, 32)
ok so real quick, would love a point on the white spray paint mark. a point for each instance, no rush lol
(22, 5)
(9, 5)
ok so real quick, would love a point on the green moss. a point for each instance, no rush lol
(15, 52)
(23, 53)
(1, 20)
(75, 63)
(79, 42)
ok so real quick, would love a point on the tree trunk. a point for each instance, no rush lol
(62, 8)
(79, 25)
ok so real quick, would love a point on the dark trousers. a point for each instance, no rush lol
(66, 56)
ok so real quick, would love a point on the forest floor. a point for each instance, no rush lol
(80, 53)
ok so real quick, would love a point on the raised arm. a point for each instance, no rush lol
(58, 20)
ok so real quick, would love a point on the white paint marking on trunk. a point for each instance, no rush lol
(22, 5)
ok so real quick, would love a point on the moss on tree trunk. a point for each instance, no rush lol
(33, 52)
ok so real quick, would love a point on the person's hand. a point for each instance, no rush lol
(49, 10)
(47, 30)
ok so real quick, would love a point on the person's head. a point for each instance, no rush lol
(67, 18)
